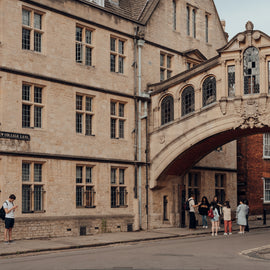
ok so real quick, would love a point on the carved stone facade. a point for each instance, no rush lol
(81, 104)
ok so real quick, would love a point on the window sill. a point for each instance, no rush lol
(120, 206)
(34, 212)
(85, 66)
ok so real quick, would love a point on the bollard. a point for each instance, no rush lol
(264, 216)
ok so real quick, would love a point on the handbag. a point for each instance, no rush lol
(210, 213)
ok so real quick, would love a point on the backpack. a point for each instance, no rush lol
(3, 212)
(187, 208)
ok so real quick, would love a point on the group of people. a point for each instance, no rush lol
(214, 211)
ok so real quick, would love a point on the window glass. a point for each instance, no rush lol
(251, 71)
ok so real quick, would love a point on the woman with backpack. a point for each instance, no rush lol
(214, 218)
(203, 211)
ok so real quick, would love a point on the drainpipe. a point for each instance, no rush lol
(135, 188)
(140, 45)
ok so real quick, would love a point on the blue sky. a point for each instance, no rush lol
(237, 12)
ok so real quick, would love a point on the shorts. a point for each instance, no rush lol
(9, 223)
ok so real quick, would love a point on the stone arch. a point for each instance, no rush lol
(239, 118)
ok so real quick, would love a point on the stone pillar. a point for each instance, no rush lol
(224, 81)
(238, 78)
(263, 75)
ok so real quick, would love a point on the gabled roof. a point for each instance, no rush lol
(195, 55)
(248, 36)
(135, 10)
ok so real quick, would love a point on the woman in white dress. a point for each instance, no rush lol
(241, 213)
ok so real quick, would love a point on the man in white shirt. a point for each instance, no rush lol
(9, 219)
(192, 218)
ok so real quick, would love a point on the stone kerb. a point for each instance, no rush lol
(169, 142)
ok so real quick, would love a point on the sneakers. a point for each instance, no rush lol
(206, 227)
(230, 233)
(215, 234)
(225, 233)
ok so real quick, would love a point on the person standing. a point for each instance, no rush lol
(218, 206)
(227, 215)
(241, 215)
(192, 219)
(9, 219)
(203, 211)
(215, 219)
(247, 226)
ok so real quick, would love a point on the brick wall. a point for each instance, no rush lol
(251, 169)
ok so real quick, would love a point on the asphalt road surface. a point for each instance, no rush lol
(199, 252)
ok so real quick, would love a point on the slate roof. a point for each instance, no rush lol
(135, 10)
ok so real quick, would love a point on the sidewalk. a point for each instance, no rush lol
(104, 239)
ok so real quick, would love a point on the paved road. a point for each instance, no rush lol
(200, 252)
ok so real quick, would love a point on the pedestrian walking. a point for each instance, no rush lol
(203, 211)
(241, 215)
(192, 218)
(227, 216)
(9, 208)
(214, 219)
(247, 226)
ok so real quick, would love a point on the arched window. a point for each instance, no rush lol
(167, 110)
(251, 71)
(187, 98)
(209, 90)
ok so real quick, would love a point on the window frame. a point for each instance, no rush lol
(264, 190)
(86, 199)
(35, 34)
(167, 103)
(82, 46)
(117, 119)
(32, 183)
(117, 54)
(166, 63)
(231, 80)
(188, 90)
(191, 185)
(220, 186)
(82, 112)
(266, 144)
(251, 80)
(205, 91)
(118, 188)
(34, 118)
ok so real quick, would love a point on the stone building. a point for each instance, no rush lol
(76, 115)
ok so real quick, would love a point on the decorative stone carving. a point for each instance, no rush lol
(162, 139)
(251, 115)
(249, 26)
(223, 105)
(256, 35)
(241, 38)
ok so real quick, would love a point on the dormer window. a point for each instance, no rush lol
(98, 2)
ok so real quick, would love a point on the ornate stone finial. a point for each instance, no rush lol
(249, 26)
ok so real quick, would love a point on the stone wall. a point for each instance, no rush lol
(29, 228)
